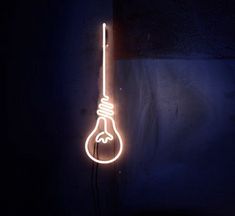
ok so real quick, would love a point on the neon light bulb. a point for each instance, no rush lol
(105, 133)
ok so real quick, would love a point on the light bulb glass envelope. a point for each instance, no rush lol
(104, 144)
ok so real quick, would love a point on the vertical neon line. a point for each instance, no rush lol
(104, 59)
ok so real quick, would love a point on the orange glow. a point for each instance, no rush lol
(105, 117)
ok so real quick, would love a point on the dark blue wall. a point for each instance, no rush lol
(178, 118)
(176, 70)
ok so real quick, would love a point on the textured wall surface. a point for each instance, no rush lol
(170, 29)
(178, 118)
(175, 74)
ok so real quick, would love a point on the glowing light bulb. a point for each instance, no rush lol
(105, 134)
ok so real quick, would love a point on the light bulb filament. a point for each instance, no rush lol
(105, 111)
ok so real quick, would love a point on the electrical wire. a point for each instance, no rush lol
(94, 182)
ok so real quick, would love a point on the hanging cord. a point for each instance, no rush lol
(94, 182)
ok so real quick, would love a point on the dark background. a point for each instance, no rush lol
(175, 84)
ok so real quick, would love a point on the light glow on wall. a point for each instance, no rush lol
(105, 128)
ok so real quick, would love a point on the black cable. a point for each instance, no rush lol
(96, 181)
(92, 183)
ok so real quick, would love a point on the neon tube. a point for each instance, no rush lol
(105, 113)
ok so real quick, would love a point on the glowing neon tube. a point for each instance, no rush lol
(105, 114)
